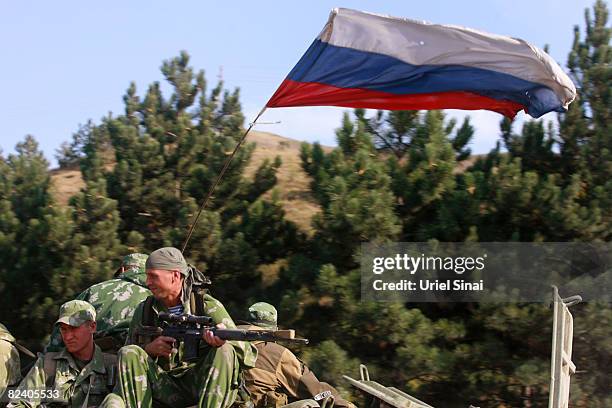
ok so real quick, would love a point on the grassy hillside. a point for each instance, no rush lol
(292, 181)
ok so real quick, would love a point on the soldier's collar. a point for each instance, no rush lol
(64, 354)
(96, 364)
(134, 276)
(158, 306)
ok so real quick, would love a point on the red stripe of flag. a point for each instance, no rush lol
(293, 93)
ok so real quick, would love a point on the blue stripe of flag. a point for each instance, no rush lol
(349, 68)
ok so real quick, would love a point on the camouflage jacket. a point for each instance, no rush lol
(69, 386)
(246, 352)
(115, 301)
(10, 366)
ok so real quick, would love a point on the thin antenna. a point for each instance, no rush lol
(218, 179)
(265, 123)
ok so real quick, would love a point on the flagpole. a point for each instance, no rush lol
(218, 179)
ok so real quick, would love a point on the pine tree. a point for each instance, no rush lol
(169, 151)
(70, 154)
(426, 179)
(353, 185)
(151, 168)
(354, 192)
(551, 185)
(9, 224)
(555, 185)
(401, 132)
(96, 222)
(586, 146)
(44, 252)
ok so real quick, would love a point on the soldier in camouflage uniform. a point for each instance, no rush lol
(78, 376)
(154, 369)
(10, 366)
(115, 301)
(279, 377)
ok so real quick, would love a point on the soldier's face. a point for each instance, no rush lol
(77, 338)
(163, 283)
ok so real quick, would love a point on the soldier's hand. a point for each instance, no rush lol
(213, 340)
(160, 347)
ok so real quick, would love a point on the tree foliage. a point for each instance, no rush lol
(547, 184)
(49, 253)
(146, 173)
(395, 176)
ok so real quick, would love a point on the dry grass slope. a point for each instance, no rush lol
(293, 190)
(65, 184)
(293, 183)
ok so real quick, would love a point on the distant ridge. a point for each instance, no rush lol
(292, 186)
(293, 183)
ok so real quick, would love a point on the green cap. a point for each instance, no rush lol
(168, 258)
(133, 261)
(76, 312)
(263, 314)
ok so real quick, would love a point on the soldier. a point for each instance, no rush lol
(10, 366)
(154, 369)
(78, 376)
(115, 301)
(279, 377)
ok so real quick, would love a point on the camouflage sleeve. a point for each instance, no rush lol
(245, 351)
(10, 366)
(216, 310)
(34, 380)
(135, 323)
(84, 295)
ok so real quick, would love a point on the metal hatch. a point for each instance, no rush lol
(387, 396)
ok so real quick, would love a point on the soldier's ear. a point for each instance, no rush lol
(176, 275)
(93, 325)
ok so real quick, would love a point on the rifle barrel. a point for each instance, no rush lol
(189, 326)
(253, 335)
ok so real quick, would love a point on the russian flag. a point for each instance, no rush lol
(364, 60)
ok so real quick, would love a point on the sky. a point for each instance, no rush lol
(66, 62)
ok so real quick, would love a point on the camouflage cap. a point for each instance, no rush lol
(135, 260)
(263, 314)
(76, 312)
(168, 258)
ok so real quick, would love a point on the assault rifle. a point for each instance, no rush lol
(189, 329)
